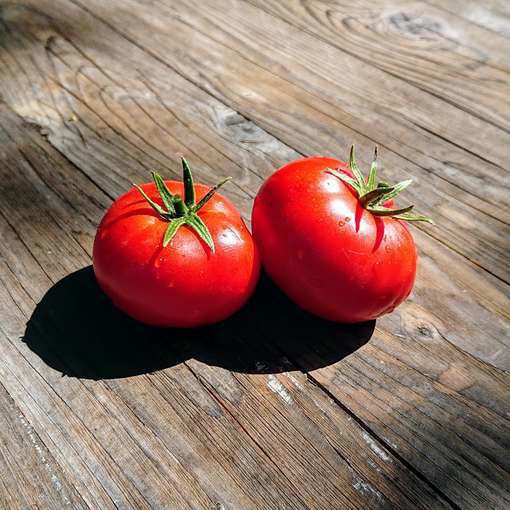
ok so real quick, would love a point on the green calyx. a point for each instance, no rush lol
(373, 195)
(179, 212)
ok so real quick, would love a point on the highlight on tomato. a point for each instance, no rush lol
(175, 254)
(332, 241)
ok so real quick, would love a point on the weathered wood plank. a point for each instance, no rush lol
(417, 43)
(407, 372)
(411, 414)
(299, 58)
(467, 36)
(490, 14)
(410, 374)
(29, 477)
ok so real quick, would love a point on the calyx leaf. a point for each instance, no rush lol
(355, 169)
(414, 217)
(371, 184)
(209, 194)
(179, 212)
(151, 202)
(172, 229)
(372, 194)
(164, 192)
(375, 196)
(197, 224)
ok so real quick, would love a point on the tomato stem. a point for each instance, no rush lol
(189, 190)
(372, 195)
(179, 212)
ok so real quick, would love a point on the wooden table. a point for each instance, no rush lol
(273, 408)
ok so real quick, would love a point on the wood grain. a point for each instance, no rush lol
(288, 412)
(29, 472)
(493, 15)
(416, 43)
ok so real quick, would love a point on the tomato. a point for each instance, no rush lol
(171, 262)
(333, 248)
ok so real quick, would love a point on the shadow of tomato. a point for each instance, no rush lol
(76, 330)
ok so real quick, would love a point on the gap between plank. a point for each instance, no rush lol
(467, 258)
(257, 444)
(346, 410)
(48, 386)
(378, 438)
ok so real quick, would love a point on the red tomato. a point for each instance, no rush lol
(185, 283)
(327, 252)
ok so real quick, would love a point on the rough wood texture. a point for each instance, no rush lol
(97, 411)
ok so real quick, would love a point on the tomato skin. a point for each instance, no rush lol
(183, 284)
(327, 253)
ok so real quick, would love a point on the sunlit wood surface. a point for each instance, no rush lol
(273, 409)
